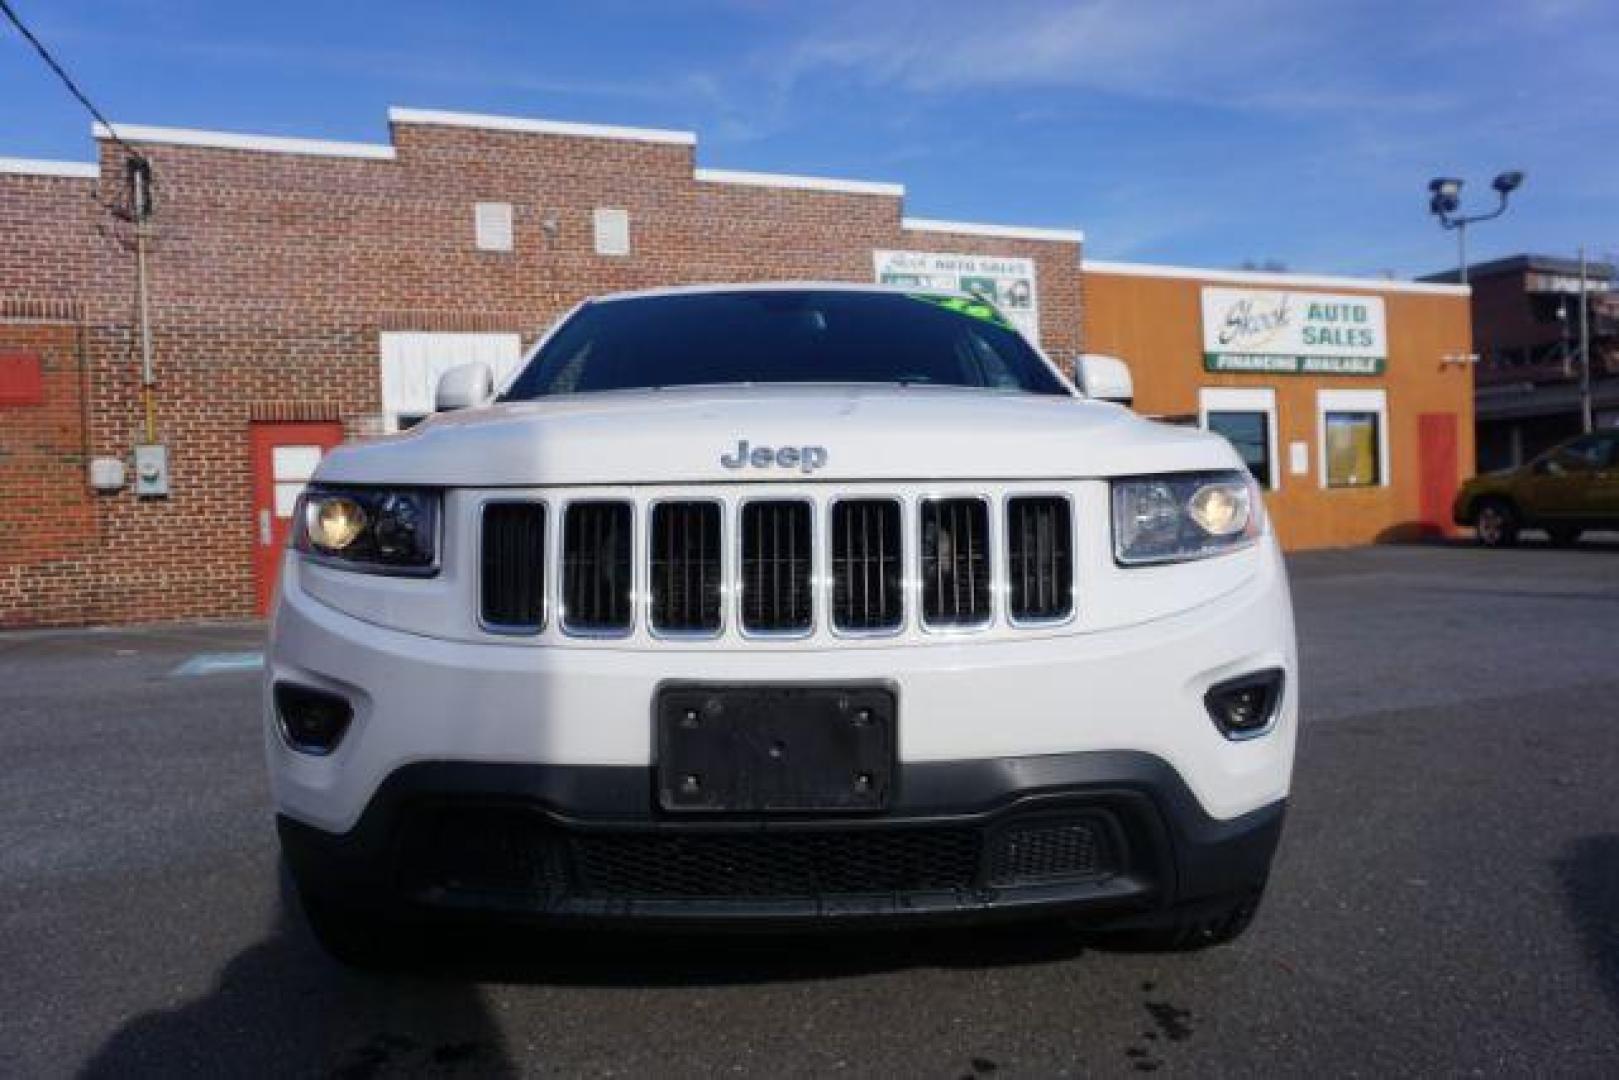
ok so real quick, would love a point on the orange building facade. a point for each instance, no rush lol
(1351, 398)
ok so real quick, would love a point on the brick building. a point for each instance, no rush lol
(1526, 332)
(304, 291)
(281, 268)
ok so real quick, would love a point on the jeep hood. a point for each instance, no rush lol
(867, 433)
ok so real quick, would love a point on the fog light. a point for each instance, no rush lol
(1245, 706)
(312, 721)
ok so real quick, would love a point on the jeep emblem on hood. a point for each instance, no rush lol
(806, 459)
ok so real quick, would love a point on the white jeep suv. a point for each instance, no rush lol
(781, 605)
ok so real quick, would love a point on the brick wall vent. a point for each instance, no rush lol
(26, 310)
(293, 412)
(498, 322)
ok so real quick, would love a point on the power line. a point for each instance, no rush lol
(67, 80)
(139, 174)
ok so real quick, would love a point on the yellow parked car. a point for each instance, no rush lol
(1571, 488)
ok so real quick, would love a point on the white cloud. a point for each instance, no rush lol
(1262, 54)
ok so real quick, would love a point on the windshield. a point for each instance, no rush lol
(785, 336)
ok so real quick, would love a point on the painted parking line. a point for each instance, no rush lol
(218, 663)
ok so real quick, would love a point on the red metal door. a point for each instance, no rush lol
(1436, 446)
(284, 458)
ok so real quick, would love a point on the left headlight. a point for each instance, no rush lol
(380, 530)
(1182, 516)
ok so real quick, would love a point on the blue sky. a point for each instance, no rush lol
(1206, 132)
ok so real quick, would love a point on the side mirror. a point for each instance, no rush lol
(465, 386)
(1105, 378)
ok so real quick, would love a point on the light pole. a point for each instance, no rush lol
(1587, 420)
(1445, 198)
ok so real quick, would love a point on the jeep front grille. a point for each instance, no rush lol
(513, 589)
(687, 568)
(713, 562)
(867, 565)
(1039, 558)
(597, 570)
(955, 562)
(777, 548)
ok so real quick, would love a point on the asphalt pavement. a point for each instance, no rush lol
(1446, 898)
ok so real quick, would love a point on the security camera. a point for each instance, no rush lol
(1447, 195)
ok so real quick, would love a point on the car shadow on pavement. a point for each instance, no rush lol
(636, 958)
(1597, 543)
(1589, 873)
(283, 1008)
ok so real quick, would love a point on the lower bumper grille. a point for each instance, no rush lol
(522, 855)
(792, 864)
(1047, 849)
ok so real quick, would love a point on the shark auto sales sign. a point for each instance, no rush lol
(1268, 332)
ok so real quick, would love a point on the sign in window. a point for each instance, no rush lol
(1352, 432)
(1353, 455)
(1007, 283)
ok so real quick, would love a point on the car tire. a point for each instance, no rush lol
(354, 937)
(1563, 536)
(1185, 929)
(1497, 523)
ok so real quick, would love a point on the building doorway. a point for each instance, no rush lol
(284, 458)
(1436, 447)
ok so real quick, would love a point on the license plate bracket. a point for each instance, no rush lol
(766, 749)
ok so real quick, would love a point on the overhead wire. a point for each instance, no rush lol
(133, 155)
(139, 211)
(61, 73)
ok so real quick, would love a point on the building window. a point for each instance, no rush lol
(492, 226)
(1352, 458)
(290, 470)
(1590, 454)
(612, 231)
(1249, 432)
(1353, 433)
(412, 362)
(1247, 418)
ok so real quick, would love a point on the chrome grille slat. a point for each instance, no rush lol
(775, 547)
(867, 565)
(597, 568)
(955, 562)
(1039, 552)
(686, 567)
(512, 592)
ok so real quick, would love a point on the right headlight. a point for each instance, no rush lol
(1182, 516)
(373, 530)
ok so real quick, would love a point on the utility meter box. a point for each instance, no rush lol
(107, 474)
(152, 470)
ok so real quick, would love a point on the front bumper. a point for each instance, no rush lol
(1134, 688)
(1102, 834)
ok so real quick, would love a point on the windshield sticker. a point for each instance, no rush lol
(963, 305)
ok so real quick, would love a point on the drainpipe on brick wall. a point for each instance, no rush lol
(140, 180)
